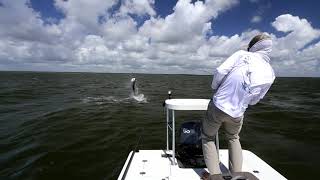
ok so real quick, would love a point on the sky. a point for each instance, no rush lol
(155, 36)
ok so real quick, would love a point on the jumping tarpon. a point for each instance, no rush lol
(133, 86)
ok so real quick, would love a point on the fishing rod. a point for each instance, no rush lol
(133, 152)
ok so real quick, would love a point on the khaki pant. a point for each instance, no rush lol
(210, 126)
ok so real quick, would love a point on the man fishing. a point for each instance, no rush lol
(241, 80)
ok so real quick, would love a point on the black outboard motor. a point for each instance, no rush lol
(190, 146)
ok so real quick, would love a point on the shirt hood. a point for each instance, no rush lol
(263, 47)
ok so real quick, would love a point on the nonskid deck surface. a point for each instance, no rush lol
(153, 165)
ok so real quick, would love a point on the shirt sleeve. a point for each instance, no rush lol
(217, 79)
(261, 91)
(220, 73)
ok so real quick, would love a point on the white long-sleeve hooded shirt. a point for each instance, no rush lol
(243, 79)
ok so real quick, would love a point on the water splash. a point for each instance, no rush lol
(139, 97)
(134, 97)
(100, 100)
(105, 100)
(135, 92)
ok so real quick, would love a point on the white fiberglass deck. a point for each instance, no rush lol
(149, 164)
(153, 165)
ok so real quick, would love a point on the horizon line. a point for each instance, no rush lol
(33, 71)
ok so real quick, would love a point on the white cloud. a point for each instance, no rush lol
(188, 21)
(119, 29)
(300, 32)
(138, 7)
(177, 43)
(256, 19)
(292, 57)
(83, 11)
(19, 22)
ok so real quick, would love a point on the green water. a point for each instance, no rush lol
(83, 125)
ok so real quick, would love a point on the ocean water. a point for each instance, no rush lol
(83, 125)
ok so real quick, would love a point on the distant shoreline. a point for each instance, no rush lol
(88, 72)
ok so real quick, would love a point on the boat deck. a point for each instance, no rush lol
(154, 164)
